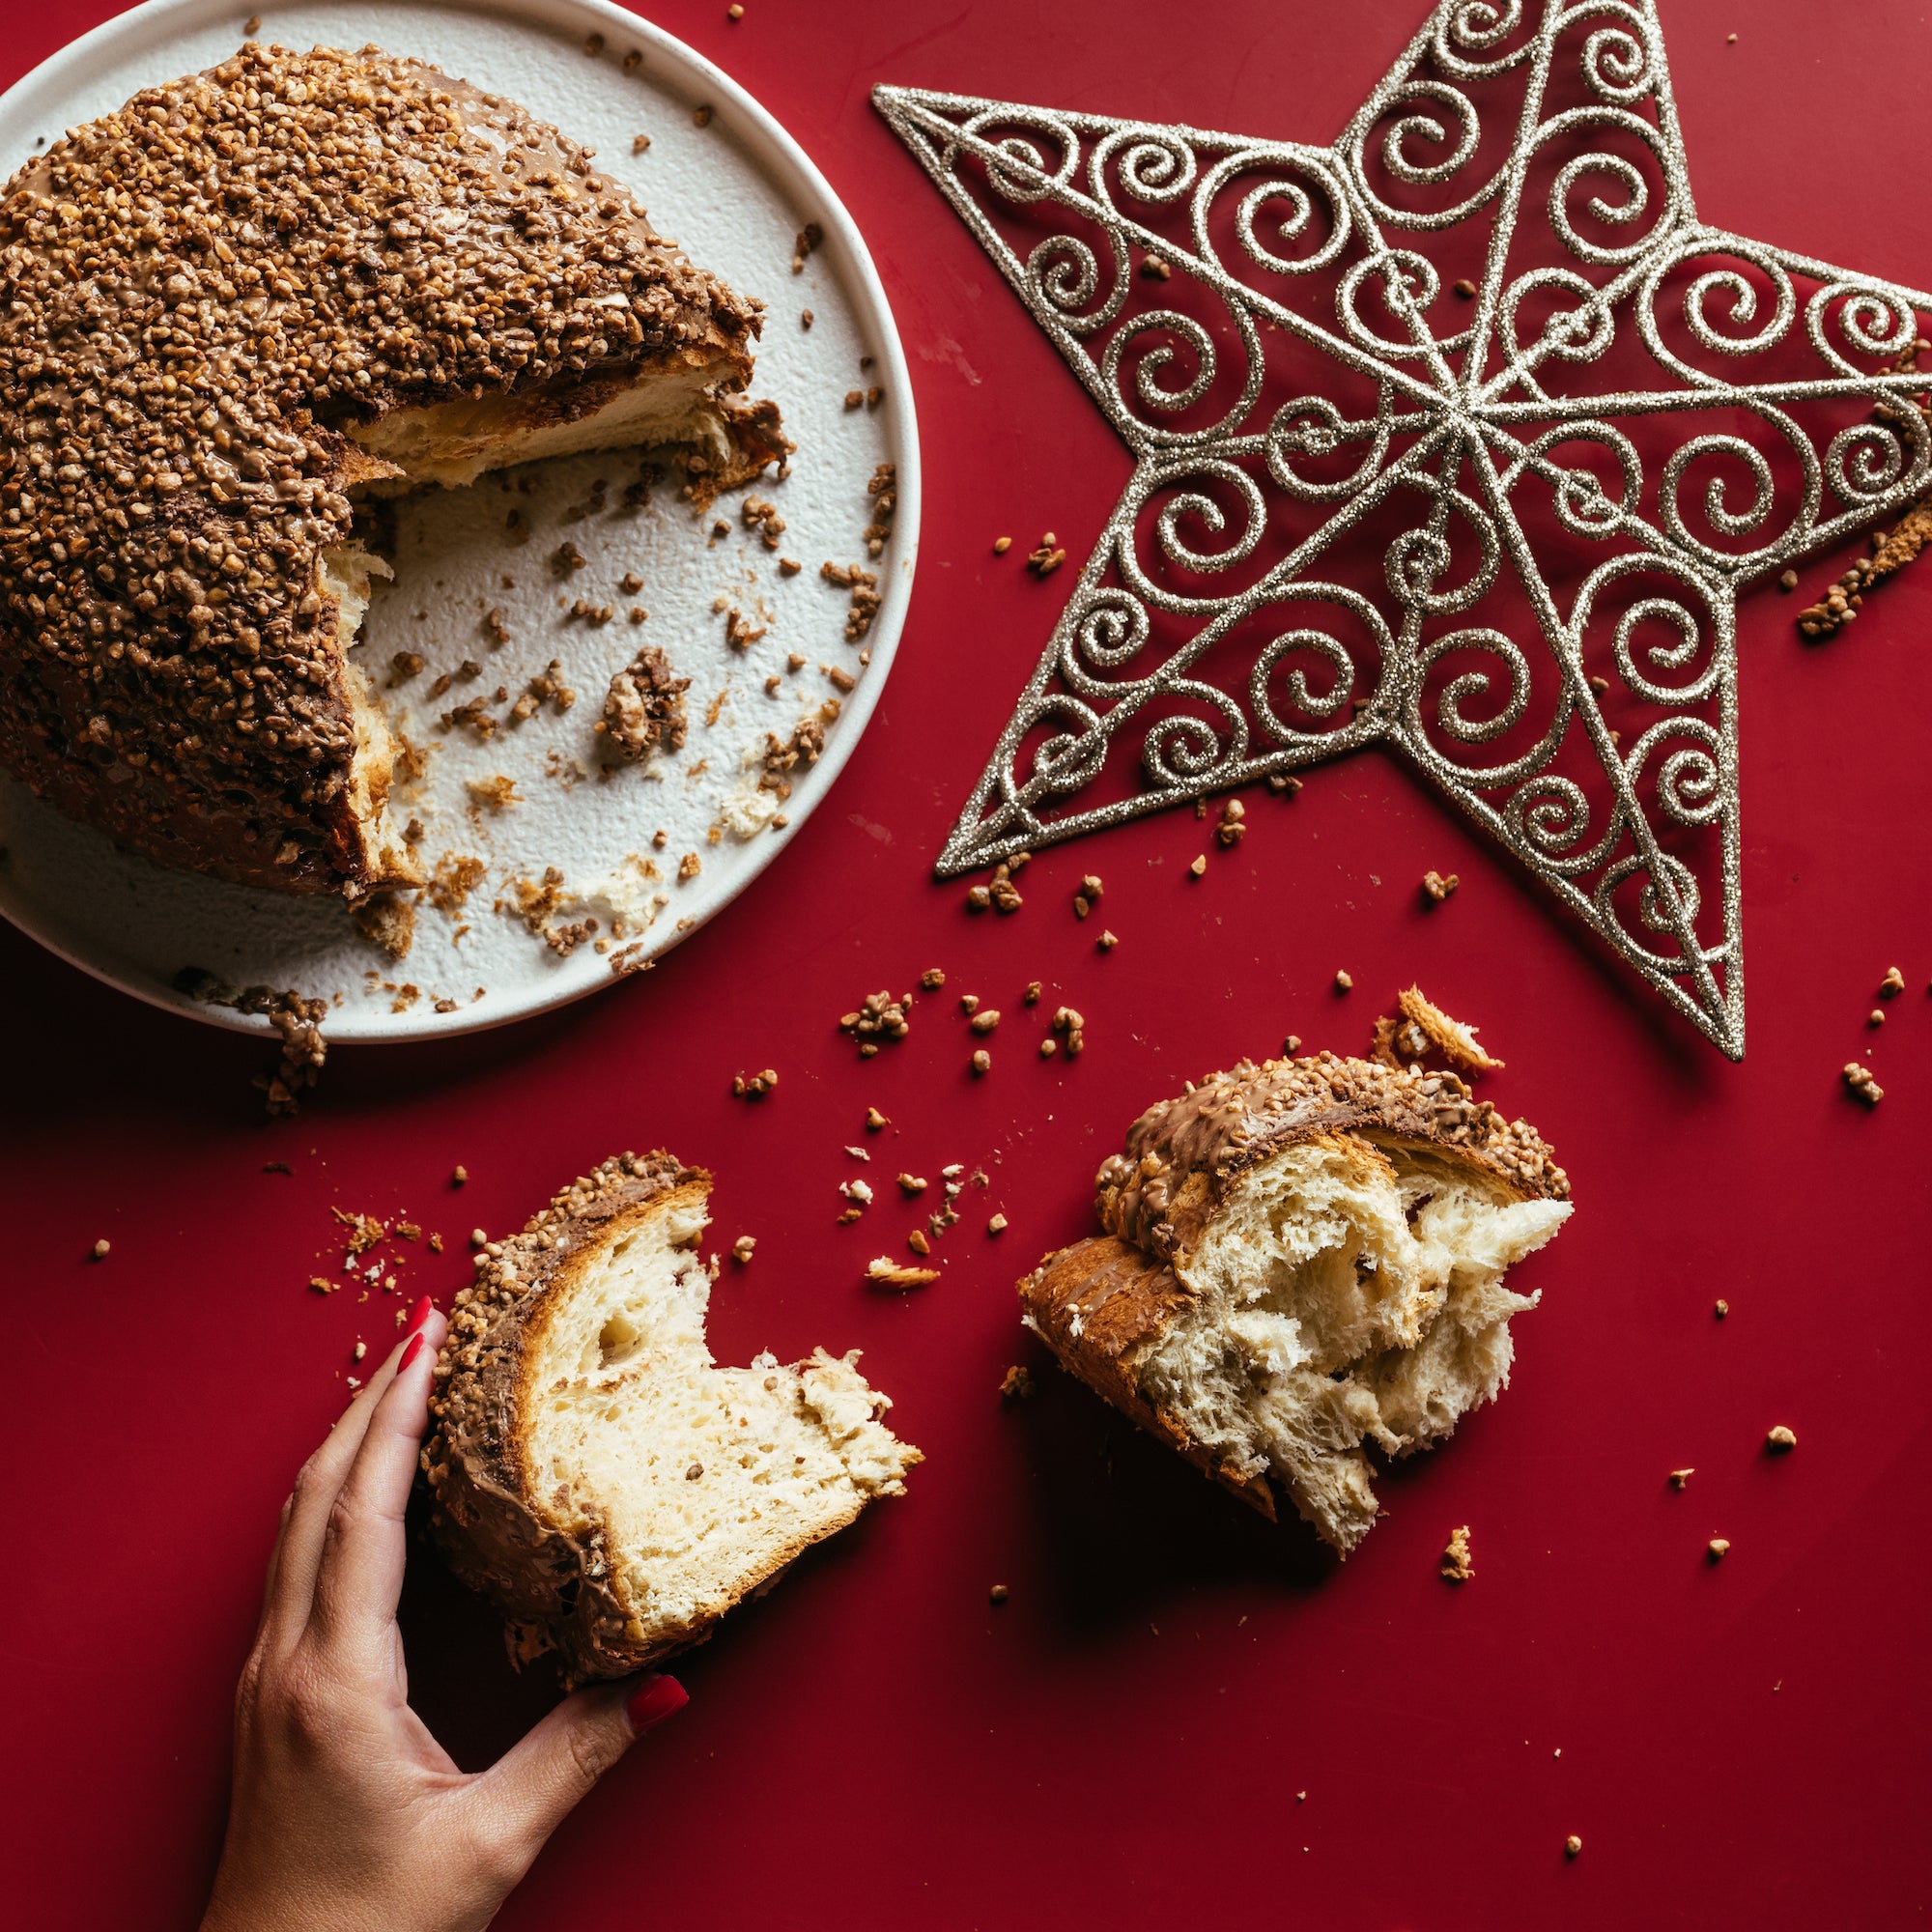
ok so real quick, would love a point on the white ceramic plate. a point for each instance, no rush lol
(734, 193)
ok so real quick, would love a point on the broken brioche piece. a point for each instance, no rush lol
(595, 1471)
(1301, 1259)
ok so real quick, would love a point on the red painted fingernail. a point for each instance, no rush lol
(660, 1697)
(420, 1313)
(411, 1350)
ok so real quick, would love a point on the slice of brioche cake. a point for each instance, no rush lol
(595, 1471)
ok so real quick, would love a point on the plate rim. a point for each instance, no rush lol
(148, 26)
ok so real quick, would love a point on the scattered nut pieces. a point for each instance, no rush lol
(1862, 1083)
(913, 1183)
(1780, 1440)
(1107, 941)
(1435, 887)
(1894, 550)
(1716, 1546)
(1721, 1309)
(932, 978)
(1343, 982)
(1198, 870)
(985, 1020)
(1572, 1845)
(743, 1248)
(1457, 1564)
(997, 1594)
(875, 1121)
(1016, 1384)
(1046, 556)
(997, 1225)
(892, 1274)
(1231, 829)
(1681, 1478)
(1048, 1047)
(918, 1243)
(753, 1086)
(99, 1250)
(982, 1061)
(1892, 984)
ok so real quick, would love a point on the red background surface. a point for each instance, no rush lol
(1124, 1740)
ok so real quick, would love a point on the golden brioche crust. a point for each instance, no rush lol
(203, 295)
(492, 1532)
(1182, 1155)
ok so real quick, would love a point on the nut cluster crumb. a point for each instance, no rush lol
(644, 710)
(1016, 1384)
(1457, 1564)
(753, 1086)
(1046, 556)
(1435, 887)
(877, 1018)
(999, 891)
(298, 1025)
(805, 746)
(1861, 1082)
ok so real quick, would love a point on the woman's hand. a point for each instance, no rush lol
(347, 1814)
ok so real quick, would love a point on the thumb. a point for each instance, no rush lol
(534, 1786)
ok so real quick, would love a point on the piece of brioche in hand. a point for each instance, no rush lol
(1302, 1258)
(595, 1471)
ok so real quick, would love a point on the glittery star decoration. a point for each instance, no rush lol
(1459, 435)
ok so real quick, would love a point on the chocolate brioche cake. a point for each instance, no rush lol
(1302, 1258)
(593, 1472)
(230, 309)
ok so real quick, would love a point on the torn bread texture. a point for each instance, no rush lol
(1423, 1029)
(238, 303)
(1303, 1258)
(595, 1471)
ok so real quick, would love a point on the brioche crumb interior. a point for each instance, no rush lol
(1349, 1291)
(703, 1480)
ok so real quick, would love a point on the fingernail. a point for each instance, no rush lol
(660, 1697)
(420, 1313)
(411, 1350)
